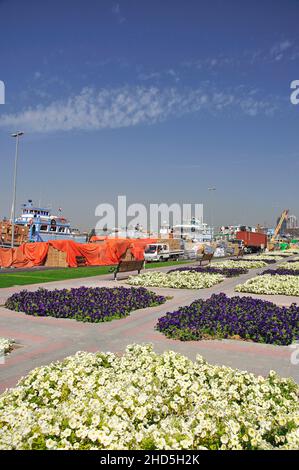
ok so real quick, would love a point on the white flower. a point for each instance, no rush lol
(271, 285)
(50, 444)
(187, 404)
(242, 264)
(93, 435)
(177, 280)
(67, 432)
(6, 345)
(224, 439)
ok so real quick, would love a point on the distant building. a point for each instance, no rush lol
(292, 222)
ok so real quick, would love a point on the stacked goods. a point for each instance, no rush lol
(20, 233)
(56, 258)
(173, 243)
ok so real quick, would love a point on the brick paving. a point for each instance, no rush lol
(43, 340)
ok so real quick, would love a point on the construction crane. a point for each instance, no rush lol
(283, 216)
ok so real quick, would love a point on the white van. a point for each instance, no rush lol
(161, 252)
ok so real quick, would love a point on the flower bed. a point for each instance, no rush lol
(227, 272)
(290, 266)
(6, 345)
(243, 263)
(85, 304)
(271, 285)
(143, 400)
(266, 259)
(282, 254)
(236, 317)
(281, 272)
(176, 280)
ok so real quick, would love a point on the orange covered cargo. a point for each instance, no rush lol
(105, 254)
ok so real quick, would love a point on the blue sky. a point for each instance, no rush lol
(154, 100)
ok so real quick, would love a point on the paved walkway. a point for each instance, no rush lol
(43, 340)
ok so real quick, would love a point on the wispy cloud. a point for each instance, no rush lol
(210, 63)
(277, 52)
(285, 50)
(93, 109)
(281, 50)
(156, 76)
(117, 13)
(145, 76)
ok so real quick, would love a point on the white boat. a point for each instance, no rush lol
(193, 229)
(43, 226)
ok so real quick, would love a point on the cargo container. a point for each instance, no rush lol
(253, 241)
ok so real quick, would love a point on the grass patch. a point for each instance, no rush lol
(48, 275)
(24, 278)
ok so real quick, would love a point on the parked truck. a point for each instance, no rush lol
(164, 250)
(253, 241)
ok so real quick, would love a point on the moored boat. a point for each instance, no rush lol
(37, 224)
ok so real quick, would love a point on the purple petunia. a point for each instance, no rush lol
(281, 272)
(227, 272)
(224, 317)
(84, 303)
(265, 260)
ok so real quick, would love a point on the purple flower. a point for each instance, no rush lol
(281, 272)
(228, 272)
(84, 303)
(224, 317)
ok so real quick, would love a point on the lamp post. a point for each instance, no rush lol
(17, 135)
(212, 230)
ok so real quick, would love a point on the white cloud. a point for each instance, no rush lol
(116, 11)
(149, 76)
(278, 50)
(126, 106)
(210, 63)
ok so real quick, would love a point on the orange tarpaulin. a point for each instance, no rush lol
(26, 255)
(106, 254)
(96, 238)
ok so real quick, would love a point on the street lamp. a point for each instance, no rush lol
(212, 189)
(17, 135)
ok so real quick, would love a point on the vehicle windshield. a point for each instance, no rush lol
(150, 249)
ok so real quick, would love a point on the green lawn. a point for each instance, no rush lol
(22, 278)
